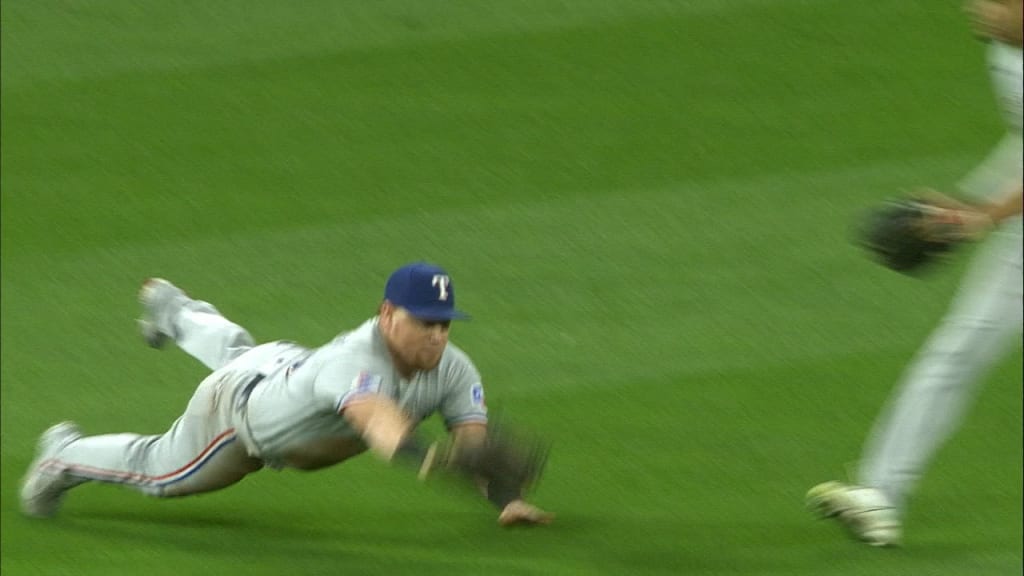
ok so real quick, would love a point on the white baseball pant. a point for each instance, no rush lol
(201, 451)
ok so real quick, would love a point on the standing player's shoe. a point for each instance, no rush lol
(865, 512)
(159, 298)
(44, 485)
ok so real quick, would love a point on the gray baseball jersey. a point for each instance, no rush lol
(295, 394)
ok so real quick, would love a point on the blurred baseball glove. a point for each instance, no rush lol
(510, 462)
(906, 235)
(513, 457)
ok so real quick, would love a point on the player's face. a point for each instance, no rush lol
(414, 343)
(996, 19)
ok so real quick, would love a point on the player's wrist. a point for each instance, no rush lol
(501, 493)
(975, 223)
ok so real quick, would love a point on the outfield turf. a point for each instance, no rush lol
(644, 204)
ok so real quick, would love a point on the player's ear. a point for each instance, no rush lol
(386, 312)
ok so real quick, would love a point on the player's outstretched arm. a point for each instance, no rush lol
(976, 220)
(390, 434)
(380, 422)
(502, 469)
(503, 488)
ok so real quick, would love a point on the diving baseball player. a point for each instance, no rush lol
(982, 325)
(283, 405)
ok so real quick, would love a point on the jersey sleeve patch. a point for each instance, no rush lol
(364, 383)
(476, 396)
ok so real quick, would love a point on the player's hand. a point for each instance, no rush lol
(520, 512)
(995, 20)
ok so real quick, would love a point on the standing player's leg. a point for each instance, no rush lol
(201, 452)
(940, 384)
(933, 396)
(195, 326)
(975, 332)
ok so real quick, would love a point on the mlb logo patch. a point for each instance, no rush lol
(477, 395)
(366, 383)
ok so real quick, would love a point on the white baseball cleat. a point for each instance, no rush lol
(158, 298)
(44, 485)
(865, 512)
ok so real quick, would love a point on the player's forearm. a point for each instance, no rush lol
(380, 422)
(388, 431)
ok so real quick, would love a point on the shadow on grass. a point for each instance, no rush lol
(326, 535)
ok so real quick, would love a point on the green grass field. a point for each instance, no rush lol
(645, 206)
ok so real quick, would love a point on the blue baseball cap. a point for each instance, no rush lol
(425, 290)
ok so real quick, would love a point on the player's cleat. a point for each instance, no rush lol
(44, 485)
(159, 298)
(865, 512)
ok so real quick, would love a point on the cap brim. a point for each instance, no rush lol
(434, 315)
